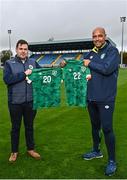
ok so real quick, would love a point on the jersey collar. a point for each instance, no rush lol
(95, 49)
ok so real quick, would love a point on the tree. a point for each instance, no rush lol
(125, 57)
(5, 55)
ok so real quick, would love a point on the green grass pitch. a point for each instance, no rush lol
(62, 135)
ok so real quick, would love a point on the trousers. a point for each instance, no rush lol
(101, 116)
(17, 113)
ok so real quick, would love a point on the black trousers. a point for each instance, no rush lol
(101, 115)
(17, 112)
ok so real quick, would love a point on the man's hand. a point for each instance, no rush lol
(86, 62)
(88, 77)
(28, 72)
(62, 64)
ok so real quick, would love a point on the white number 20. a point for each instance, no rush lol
(46, 79)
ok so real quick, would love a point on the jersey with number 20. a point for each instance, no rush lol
(46, 84)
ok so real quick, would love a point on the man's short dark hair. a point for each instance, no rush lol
(21, 41)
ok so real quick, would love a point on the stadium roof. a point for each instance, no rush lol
(61, 45)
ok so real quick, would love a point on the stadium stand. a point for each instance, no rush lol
(53, 52)
(66, 56)
(47, 59)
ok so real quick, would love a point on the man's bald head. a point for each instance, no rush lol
(99, 37)
(101, 29)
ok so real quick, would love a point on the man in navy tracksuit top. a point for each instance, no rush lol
(103, 62)
(20, 100)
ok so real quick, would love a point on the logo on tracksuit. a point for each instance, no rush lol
(106, 106)
(102, 56)
(91, 57)
(30, 67)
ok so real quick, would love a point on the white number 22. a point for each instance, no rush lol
(77, 75)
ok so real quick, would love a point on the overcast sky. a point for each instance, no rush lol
(38, 20)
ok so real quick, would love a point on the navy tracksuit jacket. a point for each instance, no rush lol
(104, 70)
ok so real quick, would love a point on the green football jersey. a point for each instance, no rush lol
(75, 82)
(46, 84)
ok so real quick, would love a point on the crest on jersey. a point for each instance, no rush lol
(30, 67)
(54, 73)
(83, 68)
